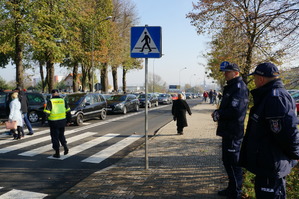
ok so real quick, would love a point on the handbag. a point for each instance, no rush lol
(11, 125)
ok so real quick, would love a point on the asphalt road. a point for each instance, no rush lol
(27, 168)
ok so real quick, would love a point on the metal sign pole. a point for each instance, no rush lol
(146, 113)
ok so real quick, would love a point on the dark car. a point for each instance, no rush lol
(36, 104)
(122, 103)
(164, 98)
(152, 99)
(86, 106)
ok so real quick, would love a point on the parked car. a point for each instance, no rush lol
(152, 100)
(122, 103)
(36, 105)
(164, 98)
(189, 96)
(86, 106)
(174, 96)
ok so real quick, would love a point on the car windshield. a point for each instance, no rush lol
(117, 98)
(143, 95)
(162, 95)
(74, 99)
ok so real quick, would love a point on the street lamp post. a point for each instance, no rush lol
(180, 75)
(92, 53)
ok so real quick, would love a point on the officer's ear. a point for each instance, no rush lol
(237, 73)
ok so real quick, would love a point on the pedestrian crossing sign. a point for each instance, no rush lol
(146, 42)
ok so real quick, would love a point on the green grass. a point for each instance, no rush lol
(292, 184)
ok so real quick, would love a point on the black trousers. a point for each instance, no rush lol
(270, 187)
(234, 171)
(57, 133)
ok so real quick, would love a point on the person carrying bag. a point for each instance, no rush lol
(11, 125)
(16, 115)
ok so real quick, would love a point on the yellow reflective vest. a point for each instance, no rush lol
(58, 110)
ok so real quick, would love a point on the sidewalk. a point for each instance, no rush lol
(180, 166)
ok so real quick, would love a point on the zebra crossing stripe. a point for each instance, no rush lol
(11, 140)
(106, 153)
(19, 194)
(26, 144)
(86, 145)
(48, 147)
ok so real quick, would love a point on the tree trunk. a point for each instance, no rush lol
(104, 78)
(50, 75)
(84, 78)
(124, 79)
(41, 72)
(115, 80)
(89, 73)
(19, 63)
(75, 77)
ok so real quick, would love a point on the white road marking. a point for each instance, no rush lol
(19, 194)
(106, 153)
(86, 145)
(48, 147)
(26, 144)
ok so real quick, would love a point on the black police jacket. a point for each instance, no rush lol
(271, 142)
(232, 111)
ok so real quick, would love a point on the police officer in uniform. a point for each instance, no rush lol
(271, 143)
(59, 116)
(230, 117)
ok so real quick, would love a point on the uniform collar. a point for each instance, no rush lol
(234, 80)
(265, 89)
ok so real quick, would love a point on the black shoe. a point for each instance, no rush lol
(56, 155)
(30, 133)
(223, 192)
(66, 151)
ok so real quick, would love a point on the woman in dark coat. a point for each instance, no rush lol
(179, 108)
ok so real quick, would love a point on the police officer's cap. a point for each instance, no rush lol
(227, 66)
(55, 91)
(266, 69)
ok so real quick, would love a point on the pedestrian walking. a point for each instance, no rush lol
(16, 115)
(205, 95)
(59, 116)
(271, 143)
(179, 108)
(211, 96)
(214, 97)
(24, 109)
(230, 117)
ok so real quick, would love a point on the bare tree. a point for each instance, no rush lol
(266, 26)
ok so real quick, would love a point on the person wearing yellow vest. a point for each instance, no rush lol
(59, 116)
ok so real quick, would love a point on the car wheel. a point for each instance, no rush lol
(136, 108)
(103, 114)
(79, 120)
(125, 110)
(33, 116)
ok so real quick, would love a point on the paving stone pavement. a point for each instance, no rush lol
(180, 166)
